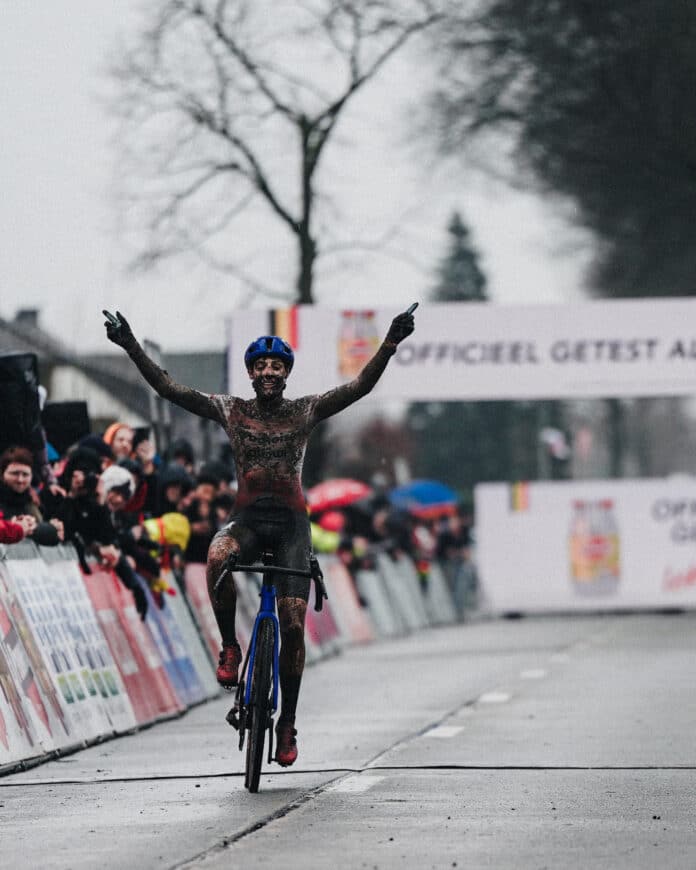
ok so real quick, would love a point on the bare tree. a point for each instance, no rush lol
(228, 104)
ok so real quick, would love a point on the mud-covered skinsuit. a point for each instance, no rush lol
(268, 440)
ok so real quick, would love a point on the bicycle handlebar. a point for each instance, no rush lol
(314, 573)
(261, 568)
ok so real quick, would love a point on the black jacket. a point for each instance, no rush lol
(13, 504)
(87, 518)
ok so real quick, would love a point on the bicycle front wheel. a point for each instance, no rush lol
(260, 704)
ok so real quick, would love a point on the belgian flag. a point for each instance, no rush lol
(283, 322)
(519, 496)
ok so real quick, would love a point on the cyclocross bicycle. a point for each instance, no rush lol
(256, 697)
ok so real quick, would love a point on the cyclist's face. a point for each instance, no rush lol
(268, 374)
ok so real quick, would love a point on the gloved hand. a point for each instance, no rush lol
(140, 600)
(401, 327)
(118, 330)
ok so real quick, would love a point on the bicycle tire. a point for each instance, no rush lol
(260, 704)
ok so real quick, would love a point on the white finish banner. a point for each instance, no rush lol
(596, 545)
(468, 351)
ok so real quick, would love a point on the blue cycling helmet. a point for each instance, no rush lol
(269, 345)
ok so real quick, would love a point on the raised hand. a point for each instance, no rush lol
(401, 326)
(118, 329)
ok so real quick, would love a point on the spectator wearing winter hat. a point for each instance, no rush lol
(134, 508)
(86, 512)
(17, 498)
(181, 453)
(118, 487)
(86, 520)
(174, 485)
(119, 437)
(100, 447)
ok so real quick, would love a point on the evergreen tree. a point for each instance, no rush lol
(460, 278)
(465, 443)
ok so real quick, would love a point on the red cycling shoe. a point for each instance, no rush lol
(286, 745)
(228, 668)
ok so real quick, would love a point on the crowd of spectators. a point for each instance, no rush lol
(125, 507)
(359, 531)
(120, 504)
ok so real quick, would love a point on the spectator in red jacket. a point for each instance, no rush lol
(18, 499)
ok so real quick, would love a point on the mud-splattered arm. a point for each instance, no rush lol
(341, 397)
(119, 331)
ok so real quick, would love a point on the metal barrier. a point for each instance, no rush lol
(79, 665)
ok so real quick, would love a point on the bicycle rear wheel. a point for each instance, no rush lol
(260, 704)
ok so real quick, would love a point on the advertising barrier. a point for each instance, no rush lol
(132, 647)
(438, 600)
(385, 617)
(403, 592)
(79, 665)
(172, 649)
(99, 670)
(595, 545)
(33, 721)
(191, 635)
(196, 588)
(321, 627)
(353, 621)
(40, 593)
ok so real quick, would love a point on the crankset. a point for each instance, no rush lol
(237, 714)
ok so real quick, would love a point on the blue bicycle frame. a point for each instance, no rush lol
(267, 610)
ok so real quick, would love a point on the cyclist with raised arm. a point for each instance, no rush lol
(268, 436)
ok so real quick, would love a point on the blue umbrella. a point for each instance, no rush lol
(424, 498)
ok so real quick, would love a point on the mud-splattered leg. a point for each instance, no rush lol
(291, 616)
(226, 605)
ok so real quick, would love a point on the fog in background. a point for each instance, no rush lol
(64, 250)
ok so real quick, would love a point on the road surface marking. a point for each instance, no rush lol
(444, 731)
(560, 657)
(494, 698)
(355, 784)
(533, 674)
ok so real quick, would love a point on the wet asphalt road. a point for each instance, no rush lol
(555, 742)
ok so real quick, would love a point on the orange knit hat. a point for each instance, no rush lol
(110, 433)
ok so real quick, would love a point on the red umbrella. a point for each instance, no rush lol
(336, 493)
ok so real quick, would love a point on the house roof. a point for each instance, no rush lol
(114, 371)
(203, 371)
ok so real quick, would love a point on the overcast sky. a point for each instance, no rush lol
(62, 252)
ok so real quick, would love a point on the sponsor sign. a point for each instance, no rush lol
(42, 595)
(595, 545)
(197, 593)
(180, 609)
(45, 715)
(467, 351)
(96, 665)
